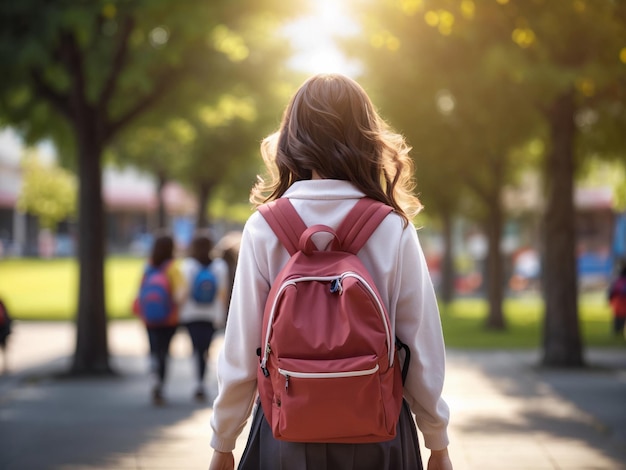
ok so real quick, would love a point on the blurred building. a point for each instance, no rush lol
(130, 209)
(600, 233)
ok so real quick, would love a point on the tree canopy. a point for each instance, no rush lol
(48, 191)
(82, 72)
(504, 73)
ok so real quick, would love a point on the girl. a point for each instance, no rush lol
(332, 149)
(160, 334)
(202, 319)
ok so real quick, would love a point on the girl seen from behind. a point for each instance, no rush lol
(160, 294)
(331, 150)
(203, 312)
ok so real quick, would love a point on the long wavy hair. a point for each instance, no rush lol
(200, 248)
(162, 249)
(331, 127)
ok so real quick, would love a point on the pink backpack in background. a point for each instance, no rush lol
(618, 297)
(329, 371)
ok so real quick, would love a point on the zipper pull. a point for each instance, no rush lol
(286, 382)
(268, 350)
(336, 287)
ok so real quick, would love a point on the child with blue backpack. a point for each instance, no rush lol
(161, 292)
(204, 308)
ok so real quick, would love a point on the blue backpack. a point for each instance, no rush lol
(155, 298)
(204, 286)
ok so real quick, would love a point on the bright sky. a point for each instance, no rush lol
(313, 36)
(12, 147)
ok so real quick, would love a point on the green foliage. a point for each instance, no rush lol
(227, 121)
(48, 192)
(118, 59)
(468, 82)
(238, 213)
(599, 173)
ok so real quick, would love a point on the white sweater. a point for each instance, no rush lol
(215, 312)
(394, 258)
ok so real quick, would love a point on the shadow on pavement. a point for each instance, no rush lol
(52, 423)
(562, 410)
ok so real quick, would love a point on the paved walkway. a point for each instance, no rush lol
(507, 413)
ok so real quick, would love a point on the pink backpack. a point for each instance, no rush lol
(617, 297)
(329, 369)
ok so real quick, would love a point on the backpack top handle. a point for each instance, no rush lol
(351, 235)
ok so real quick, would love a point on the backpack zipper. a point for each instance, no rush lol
(336, 284)
(381, 310)
(325, 375)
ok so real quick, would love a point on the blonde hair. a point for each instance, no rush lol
(331, 127)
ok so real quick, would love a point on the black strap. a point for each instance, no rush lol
(407, 358)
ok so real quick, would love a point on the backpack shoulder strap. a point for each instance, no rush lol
(285, 222)
(360, 223)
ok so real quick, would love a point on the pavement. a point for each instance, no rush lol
(506, 412)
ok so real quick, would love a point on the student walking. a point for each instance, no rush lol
(5, 330)
(617, 300)
(204, 308)
(161, 292)
(331, 151)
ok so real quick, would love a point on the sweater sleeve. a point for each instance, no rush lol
(419, 326)
(238, 362)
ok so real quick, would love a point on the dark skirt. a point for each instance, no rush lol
(263, 452)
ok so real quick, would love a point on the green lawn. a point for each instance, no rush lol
(36, 289)
(46, 290)
(464, 320)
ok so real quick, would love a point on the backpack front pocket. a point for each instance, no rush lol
(336, 400)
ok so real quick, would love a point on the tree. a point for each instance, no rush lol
(224, 156)
(99, 66)
(48, 191)
(158, 150)
(213, 143)
(565, 60)
(445, 61)
(573, 66)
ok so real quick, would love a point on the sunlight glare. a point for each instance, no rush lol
(313, 39)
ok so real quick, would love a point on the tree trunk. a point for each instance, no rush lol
(91, 355)
(161, 209)
(562, 341)
(204, 192)
(447, 261)
(495, 267)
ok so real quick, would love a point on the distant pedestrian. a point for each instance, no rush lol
(228, 249)
(5, 331)
(160, 294)
(617, 299)
(204, 308)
